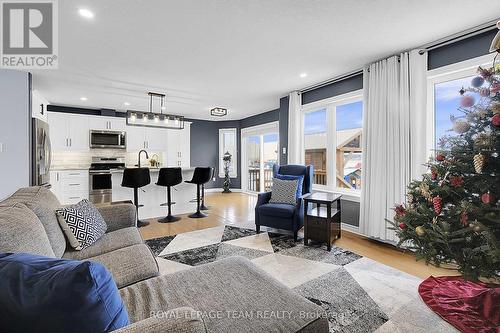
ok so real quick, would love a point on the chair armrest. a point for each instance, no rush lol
(118, 216)
(183, 319)
(263, 198)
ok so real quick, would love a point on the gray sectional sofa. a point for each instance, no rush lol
(231, 295)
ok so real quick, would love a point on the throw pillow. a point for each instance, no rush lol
(42, 294)
(284, 191)
(82, 223)
(292, 177)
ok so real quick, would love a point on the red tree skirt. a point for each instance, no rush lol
(472, 307)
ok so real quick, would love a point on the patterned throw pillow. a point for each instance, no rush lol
(82, 223)
(292, 177)
(284, 191)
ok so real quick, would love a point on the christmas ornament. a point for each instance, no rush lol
(438, 204)
(440, 157)
(467, 101)
(487, 198)
(400, 210)
(434, 174)
(402, 226)
(477, 81)
(484, 92)
(456, 181)
(479, 160)
(420, 231)
(495, 108)
(496, 120)
(461, 126)
(464, 218)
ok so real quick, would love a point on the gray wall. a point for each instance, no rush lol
(15, 131)
(333, 89)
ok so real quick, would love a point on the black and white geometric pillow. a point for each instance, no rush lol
(82, 223)
(284, 191)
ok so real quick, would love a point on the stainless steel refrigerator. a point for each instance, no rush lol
(42, 155)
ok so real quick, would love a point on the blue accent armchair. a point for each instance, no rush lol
(284, 216)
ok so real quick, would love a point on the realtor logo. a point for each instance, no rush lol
(29, 35)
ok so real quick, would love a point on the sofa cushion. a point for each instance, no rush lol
(277, 209)
(284, 191)
(108, 242)
(82, 223)
(41, 294)
(227, 287)
(129, 264)
(44, 204)
(22, 231)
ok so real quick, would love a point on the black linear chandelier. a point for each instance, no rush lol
(218, 112)
(155, 119)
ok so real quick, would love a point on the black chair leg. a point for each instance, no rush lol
(136, 203)
(257, 228)
(198, 213)
(169, 217)
(203, 207)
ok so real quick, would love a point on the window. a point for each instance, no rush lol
(443, 95)
(332, 141)
(228, 143)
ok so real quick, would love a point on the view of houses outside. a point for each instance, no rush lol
(348, 151)
(270, 152)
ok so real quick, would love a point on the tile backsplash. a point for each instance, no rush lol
(82, 159)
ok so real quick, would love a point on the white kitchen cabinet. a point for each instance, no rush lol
(156, 139)
(150, 139)
(70, 186)
(136, 138)
(68, 132)
(107, 123)
(39, 106)
(178, 147)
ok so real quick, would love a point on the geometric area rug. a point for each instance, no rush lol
(357, 293)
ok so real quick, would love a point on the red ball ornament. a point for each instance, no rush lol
(456, 181)
(440, 157)
(487, 198)
(467, 101)
(496, 120)
(437, 202)
(402, 226)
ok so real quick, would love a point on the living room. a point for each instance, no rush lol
(263, 166)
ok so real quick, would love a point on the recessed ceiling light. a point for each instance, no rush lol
(126, 103)
(83, 98)
(86, 13)
(303, 75)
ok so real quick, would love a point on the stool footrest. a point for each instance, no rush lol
(166, 204)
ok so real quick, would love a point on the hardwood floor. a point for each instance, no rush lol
(238, 209)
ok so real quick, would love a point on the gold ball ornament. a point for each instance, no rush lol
(461, 126)
(479, 160)
(420, 231)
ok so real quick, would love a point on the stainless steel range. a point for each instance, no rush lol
(101, 187)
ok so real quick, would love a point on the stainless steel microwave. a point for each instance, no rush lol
(108, 139)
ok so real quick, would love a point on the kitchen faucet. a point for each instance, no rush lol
(139, 157)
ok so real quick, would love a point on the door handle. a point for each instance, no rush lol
(70, 144)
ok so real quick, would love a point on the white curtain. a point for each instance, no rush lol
(295, 138)
(388, 136)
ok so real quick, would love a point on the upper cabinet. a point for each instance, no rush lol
(178, 147)
(68, 131)
(107, 123)
(38, 106)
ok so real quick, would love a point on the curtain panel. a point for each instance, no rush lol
(295, 137)
(393, 125)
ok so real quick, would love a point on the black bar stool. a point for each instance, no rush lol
(203, 207)
(135, 178)
(200, 177)
(169, 177)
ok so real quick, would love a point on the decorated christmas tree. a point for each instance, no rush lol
(452, 215)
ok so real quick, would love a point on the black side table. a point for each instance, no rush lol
(322, 223)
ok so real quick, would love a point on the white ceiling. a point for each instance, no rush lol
(239, 54)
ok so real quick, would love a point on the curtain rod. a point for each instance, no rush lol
(424, 48)
(459, 36)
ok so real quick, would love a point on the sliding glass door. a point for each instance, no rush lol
(260, 152)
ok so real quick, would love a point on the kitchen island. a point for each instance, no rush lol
(152, 195)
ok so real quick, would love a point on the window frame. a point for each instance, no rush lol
(331, 104)
(443, 74)
(234, 153)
